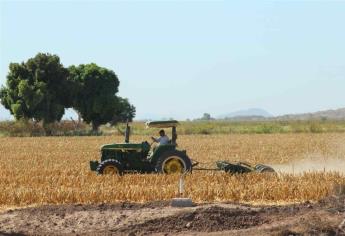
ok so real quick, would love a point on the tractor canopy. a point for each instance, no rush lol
(162, 124)
(144, 146)
(165, 124)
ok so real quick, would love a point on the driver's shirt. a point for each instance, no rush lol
(163, 140)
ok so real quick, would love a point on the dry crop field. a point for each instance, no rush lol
(55, 170)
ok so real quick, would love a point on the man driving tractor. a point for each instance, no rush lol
(162, 139)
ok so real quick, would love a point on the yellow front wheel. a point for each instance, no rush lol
(110, 167)
(111, 170)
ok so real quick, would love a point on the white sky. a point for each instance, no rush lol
(181, 59)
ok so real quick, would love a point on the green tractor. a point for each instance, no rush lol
(119, 158)
(141, 157)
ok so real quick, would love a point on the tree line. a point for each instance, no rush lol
(41, 88)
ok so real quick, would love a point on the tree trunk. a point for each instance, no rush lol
(47, 128)
(79, 117)
(95, 127)
(78, 124)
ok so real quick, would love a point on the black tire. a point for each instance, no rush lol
(264, 169)
(110, 164)
(173, 155)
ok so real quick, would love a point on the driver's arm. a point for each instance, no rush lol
(154, 139)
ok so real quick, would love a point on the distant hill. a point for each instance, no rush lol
(252, 113)
(337, 114)
(256, 114)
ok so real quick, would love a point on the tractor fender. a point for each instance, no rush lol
(160, 150)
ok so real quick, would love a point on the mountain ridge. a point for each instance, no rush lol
(250, 112)
(330, 114)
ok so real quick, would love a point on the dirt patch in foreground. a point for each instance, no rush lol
(210, 219)
(325, 217)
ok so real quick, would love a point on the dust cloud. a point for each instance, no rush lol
(312, 163)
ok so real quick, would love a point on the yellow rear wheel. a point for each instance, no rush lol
(172, 162)
(172, 166)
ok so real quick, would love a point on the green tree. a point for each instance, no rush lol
(124, 112)
(96, 98)
(37, 89)
(206, 116)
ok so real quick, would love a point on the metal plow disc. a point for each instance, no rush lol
(264, 169)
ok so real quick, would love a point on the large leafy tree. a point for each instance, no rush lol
(37, 89)
(96, 98)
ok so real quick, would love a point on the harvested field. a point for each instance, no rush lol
(54, 170)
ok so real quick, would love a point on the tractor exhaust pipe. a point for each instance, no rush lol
(128, 130)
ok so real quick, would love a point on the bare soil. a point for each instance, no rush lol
(326, 217)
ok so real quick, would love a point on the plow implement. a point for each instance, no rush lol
(235, 167)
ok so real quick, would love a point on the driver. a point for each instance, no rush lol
(162, 139)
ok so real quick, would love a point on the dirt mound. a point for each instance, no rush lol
(203, 220)
(326, 217)
(333, 204)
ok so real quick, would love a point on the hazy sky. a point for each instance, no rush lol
(181, 59)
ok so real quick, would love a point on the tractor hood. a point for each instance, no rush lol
(123, 146)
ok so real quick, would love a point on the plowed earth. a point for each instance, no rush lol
(325, 217)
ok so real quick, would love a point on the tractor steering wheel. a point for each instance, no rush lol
(153, 141)
(150, 144)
